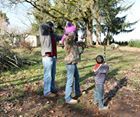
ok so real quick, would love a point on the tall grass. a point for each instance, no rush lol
(135, 43)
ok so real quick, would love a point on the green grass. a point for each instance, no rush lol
(30, 78)
(135, 43)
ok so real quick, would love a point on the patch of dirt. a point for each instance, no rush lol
(122, 101)
(130, 49)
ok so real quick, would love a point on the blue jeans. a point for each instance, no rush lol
(99, 94)
(49, 64)
(72, 77)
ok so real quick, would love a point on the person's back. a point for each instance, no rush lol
(45, 39)
(71, 49)
(49, 56)
(71, 60)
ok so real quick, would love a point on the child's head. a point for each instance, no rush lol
(70, 28)
(100, 59)
(69, 24)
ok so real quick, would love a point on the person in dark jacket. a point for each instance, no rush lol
(49, 54)
(100, 71)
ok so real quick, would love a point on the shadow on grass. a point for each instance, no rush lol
(86, 76)
(88, 89)
(113, 73)
(88, 66)
(108, 96)
(37, 95)
(21, 81)
(114, 58)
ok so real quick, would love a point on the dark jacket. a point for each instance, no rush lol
(46, 39)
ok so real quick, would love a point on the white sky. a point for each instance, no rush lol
(18, 16)
(19, 19)
(133, 15)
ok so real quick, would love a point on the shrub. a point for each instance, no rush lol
(135, 43)
(26, 45)
(10, 60)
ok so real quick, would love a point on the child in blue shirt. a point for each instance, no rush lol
(100, 71)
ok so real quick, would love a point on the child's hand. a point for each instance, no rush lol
(96, 67)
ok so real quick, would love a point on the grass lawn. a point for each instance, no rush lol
(21, 90)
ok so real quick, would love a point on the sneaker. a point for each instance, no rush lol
(95, 103)
(103, 108)
(72, 101)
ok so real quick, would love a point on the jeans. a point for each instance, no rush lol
(49, 64)
(99, 95)
(72, 77)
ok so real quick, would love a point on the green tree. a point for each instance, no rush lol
(86, 11)
(35, 28)
(111, 23)
(62, 10)
(114, 24)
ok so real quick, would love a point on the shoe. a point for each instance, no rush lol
(50, 95)
(72, 101)
(77, 96)
(54, 91)
(95, 103)
(103, 108)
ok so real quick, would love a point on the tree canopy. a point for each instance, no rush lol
(112, 23)
(100, 15)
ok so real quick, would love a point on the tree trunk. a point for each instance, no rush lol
(105, 52)
(89, 38)
(97, 39)
(98, 29)
(97, 43)
(108, 38)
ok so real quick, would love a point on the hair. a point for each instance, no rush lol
(69, 24)
(50, 24)
(70, 36)
(100, 59)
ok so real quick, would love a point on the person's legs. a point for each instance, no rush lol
(53, 73)
(76, 82)
(100, 94)
(69, 82)
(95, 95)
(47, 63)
